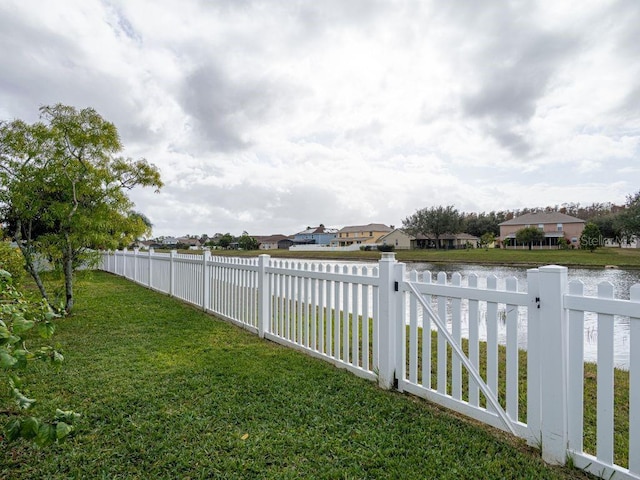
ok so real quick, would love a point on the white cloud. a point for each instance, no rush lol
(271, 116)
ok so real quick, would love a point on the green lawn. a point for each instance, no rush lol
(167, 391)
(620, 257)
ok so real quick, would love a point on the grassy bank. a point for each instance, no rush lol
(619, 257)
(167, 391)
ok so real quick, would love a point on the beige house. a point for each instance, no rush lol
(401, 240)
(555, 226)
(398, 238)
(360, 235)
(273, 242)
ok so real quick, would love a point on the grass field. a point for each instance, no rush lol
(619, 257)
(166, 391)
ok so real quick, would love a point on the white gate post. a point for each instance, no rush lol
(399, 325)
(264, 313)
(386, 321)
(206, 280)
(135, 264)
(534, 363)
(172, 272)
(150, 268)
(124, 262)
(553, 363)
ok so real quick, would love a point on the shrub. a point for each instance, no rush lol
(12, 261)
(18, 316)
(386, 248)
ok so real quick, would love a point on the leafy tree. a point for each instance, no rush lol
(529, 236)
(435, 221)
(225, 240)
(629, 219)
(610, 227)
(487, 239)
(19, 316)
(64, 189)
(11, 261)
(246, 242)
(480, 223)
(591, 237)
(563, 244)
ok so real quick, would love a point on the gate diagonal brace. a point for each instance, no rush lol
(491, 398)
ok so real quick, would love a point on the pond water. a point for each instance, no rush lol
(622, 281)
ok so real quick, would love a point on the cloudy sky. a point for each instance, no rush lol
(268, 116)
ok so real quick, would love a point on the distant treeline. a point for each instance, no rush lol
(607, 216)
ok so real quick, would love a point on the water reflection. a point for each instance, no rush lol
(622, 281)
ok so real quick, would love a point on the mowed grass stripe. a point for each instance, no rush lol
(167, 391)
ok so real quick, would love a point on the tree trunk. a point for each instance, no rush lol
(28, 260)
(67, 266)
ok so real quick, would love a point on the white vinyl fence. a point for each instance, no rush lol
(405, 331)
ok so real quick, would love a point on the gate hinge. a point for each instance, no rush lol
(396, 286)
(538, 301)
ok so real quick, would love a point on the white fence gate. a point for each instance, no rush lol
(398, 329)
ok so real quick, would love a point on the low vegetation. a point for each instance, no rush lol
(166, 391)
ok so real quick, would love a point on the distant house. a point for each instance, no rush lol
(448, 241)
(145, 244)
(554, 225)
(193, 243)
(274, 242)
(360, 235)
(401, 240)
(169, 241)
(319, 235)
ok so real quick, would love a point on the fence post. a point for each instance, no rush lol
(386, 321)
(124, 262)
(206, 280)
(399, 325)
(172, 271)
(553, 363)
(150, 268)
(534, 346)
(135, 264)
(264, 313)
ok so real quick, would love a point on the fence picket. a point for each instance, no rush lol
(634, 385)
(575, 365)
(512, 381)
(604, 433)
(413, 333)
(426, 337)
(474, 342)
(336, 316)
(355, 322)
(492, 338)
(366, 290)
(456, 333)
(314, 310)
(442, 341)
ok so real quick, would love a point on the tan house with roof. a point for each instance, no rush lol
(274, 242)
(401, 240)
(555, 226)
(360, 235)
